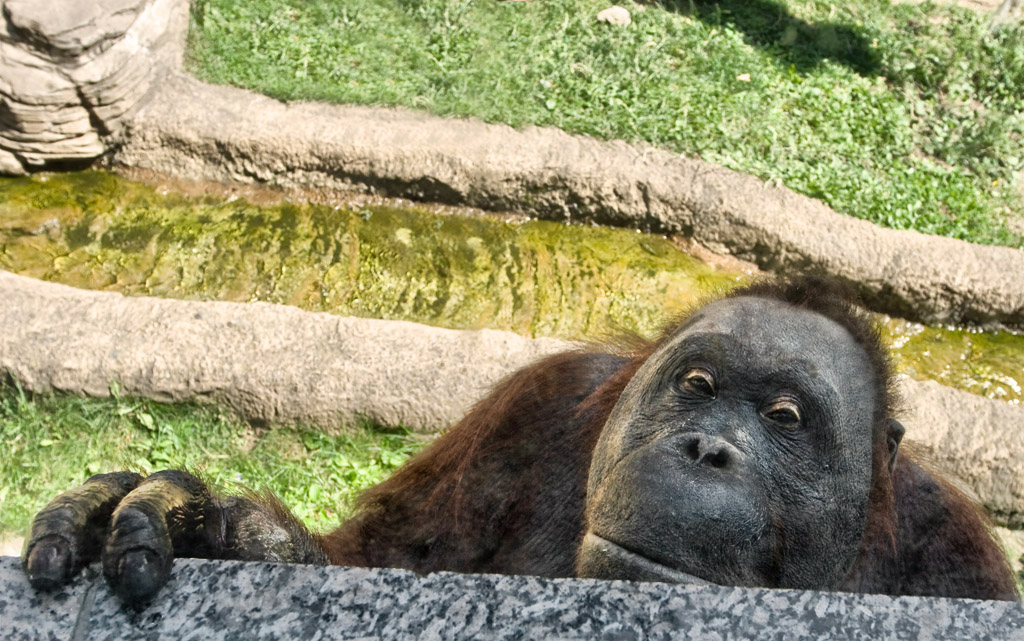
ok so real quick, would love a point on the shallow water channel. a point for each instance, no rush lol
(96, 230)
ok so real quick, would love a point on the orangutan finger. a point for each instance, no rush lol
(68, 532)
(160, 517)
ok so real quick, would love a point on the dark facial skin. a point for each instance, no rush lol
(739, 454)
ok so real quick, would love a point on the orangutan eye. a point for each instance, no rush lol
(784, 412)
(698, 381)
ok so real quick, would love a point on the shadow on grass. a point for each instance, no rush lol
(794, 41)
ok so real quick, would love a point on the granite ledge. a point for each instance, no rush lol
(229, 600)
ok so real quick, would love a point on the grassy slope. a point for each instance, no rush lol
(52, 443)
(906, 115)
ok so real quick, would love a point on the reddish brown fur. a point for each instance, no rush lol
(937, 542)
(442, 509)
(504, 489)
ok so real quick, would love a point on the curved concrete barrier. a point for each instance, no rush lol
(268, 362)
(278, 363)
(977, 440)
(232, 600)
(201, 131)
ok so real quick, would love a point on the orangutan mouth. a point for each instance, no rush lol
(602, 559)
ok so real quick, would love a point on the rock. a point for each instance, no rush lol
(971, 438)
(71, 27)
(268, 362)
(10, 165)
(615, 15)
(1008, 10)
(70, 71)
(278, 363)
(234, 600)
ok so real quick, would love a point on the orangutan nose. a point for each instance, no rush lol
(712, 451)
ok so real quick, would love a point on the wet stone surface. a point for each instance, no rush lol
(229, 600)
(97, 231)
(986, 363)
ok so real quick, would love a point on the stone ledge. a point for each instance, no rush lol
(232, 600)
(270, 363)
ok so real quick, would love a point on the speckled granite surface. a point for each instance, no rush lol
(226, 600)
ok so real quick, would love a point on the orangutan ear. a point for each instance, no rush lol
(892, 439)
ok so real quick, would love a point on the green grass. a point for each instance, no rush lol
(911, 116)
(52, 443)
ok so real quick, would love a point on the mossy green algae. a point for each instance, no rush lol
(989, 363)
(96, 230)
